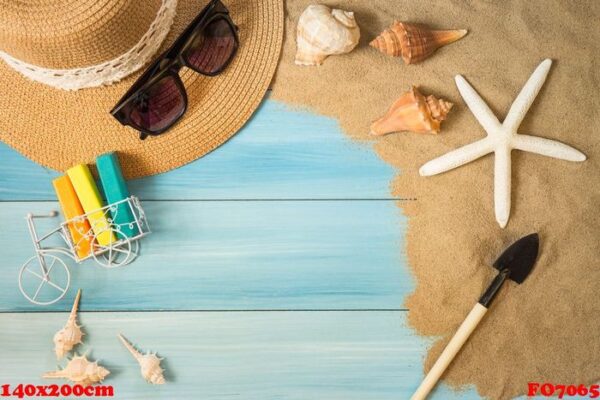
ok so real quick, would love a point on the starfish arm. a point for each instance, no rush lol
(547, 147)
(457, 157)
(502, 183)
(527, 96)
(478, 107)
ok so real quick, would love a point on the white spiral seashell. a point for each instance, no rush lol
(80, 371)
(149, 363)
(323, 32)
(70, 335)
(151, 370)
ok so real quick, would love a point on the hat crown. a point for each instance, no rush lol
(69, 34)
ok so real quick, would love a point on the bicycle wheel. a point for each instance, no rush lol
(44, 284)
(115, 254)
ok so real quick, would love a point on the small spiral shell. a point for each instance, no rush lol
(80, 371)
(149, 363)
(413, 112)
(413, 42)
(70, 335)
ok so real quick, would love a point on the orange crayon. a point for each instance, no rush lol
(71, 208)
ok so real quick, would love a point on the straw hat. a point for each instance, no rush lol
(49, 48)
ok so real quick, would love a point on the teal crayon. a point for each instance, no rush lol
(115, 189)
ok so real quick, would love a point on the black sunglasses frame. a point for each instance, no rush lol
(170, 63)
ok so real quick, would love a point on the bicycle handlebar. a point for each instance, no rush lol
(51, 214)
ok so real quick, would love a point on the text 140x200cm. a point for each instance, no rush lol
(21, 391)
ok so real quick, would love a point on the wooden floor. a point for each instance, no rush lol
(275, 270)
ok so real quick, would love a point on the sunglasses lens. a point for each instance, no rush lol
(159, 106)
(213, 49)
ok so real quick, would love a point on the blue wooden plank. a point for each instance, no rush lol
(280, 153)
(246, 355)
(235, 255)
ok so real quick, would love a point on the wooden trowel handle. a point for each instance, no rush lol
(456, 343)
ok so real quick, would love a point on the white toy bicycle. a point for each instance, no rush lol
(46, 268)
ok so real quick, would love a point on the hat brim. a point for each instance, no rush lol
(58, 128)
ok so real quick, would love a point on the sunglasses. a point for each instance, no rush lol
(158, 100)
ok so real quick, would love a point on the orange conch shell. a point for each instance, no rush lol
(413, 112)
(413, 42)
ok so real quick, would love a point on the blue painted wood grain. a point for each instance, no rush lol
(279, 154)
(235, 255)
(227, 255)
(245, 355)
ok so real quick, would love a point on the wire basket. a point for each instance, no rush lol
(123, 223)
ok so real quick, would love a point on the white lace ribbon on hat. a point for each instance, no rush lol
(108, 72)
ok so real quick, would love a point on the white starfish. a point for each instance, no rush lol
(501, 139)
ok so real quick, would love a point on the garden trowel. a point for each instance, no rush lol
(515, 263)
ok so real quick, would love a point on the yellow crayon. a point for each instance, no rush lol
(90, 200)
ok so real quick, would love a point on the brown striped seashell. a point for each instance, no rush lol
(413, 42)
(413, 112)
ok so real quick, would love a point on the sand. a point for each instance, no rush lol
(547, 329)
